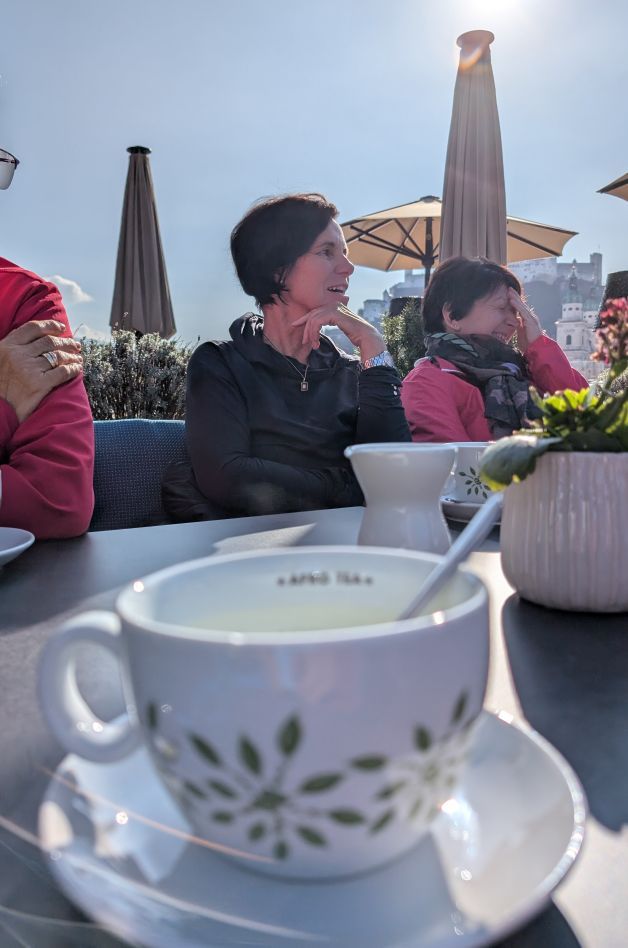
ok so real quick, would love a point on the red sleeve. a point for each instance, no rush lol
(47, 461)
(428, 399)
(8, 424)
(550, 369)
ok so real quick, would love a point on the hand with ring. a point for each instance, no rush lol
(34, 359)
(51, 358)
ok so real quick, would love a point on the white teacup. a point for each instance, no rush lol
(298, 726)
(465, 485)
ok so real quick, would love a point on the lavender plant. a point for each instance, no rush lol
(131, 377)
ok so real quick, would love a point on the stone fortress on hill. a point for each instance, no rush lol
(565, 296)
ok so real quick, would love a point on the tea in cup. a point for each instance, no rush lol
(301, 729)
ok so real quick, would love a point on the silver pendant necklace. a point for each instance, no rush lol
(302, 375)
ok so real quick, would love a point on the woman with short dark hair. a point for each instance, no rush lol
(270, 412)
(272, 236)
(474, 383)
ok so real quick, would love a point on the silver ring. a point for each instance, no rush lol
(51, 357)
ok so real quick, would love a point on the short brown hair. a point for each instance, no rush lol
(272, 236)
(459, 283)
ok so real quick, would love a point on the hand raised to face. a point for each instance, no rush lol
(35, 359)
(529, 328)
(357, 330)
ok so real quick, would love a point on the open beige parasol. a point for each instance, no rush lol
(618, 188)
(408, 237)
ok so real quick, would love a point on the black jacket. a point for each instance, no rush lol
(258, 444)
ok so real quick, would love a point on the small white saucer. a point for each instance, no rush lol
(13, 542)
(121, 851)
(461, 510)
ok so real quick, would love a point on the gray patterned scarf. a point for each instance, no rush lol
(498, 370)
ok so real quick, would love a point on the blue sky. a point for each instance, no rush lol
(244, 98)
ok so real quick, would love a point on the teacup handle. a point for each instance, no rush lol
(71, 719)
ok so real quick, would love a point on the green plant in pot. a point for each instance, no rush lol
(564, 536)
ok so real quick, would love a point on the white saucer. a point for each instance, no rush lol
(462, 510)
(13, 542)
(494, 855)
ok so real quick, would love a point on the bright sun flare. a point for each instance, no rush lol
(490, 8)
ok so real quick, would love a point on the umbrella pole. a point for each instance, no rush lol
(428, 259)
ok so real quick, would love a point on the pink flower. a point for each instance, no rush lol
(612, 334)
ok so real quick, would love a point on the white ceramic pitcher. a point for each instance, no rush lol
(402, 485)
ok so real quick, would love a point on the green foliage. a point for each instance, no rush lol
(129, 377)
(512, 459)
(606, 382)
(404, 336)
(584, 421)
(571, 421)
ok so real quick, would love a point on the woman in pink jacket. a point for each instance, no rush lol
(473, 384)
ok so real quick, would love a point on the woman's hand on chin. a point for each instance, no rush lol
(357, 330)
(529, 328)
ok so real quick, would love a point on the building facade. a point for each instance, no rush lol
(575, 330)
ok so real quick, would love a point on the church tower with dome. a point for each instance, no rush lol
(575, 329)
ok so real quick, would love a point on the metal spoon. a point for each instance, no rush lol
(473, 534)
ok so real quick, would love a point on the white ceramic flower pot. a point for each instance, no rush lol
(564, 534)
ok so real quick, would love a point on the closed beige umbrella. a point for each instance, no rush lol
(619, 187)
(141, 295)
(473, 220)
(407, 237)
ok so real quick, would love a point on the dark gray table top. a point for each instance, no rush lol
(566, 673)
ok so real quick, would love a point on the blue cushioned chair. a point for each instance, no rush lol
(131, 457)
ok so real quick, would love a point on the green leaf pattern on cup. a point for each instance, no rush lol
(253, 788)
(369, 762)
(459, 708)
(473, 485)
